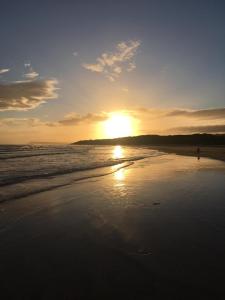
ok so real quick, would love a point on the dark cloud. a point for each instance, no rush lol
(215, 113)
(25, 95)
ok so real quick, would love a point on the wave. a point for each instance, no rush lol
(34, 155)
(16, 153)
(20, 191)
(27, 170)
(22, 178)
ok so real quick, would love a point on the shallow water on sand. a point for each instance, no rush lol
(153, 230)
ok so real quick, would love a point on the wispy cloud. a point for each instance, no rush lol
(27, 64)
(2, 71)
(184, 121)
(153, 114)
(25, 95)
(71, 119)
(112, 64)
(213, 113)
(74, 118)
(217, 128)
(21, 122)
(154, 121)
(198, 114)
(30, 73)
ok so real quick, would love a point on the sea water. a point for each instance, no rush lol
(27, 169)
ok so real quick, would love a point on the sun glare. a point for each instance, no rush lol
(119, 125)
(117, 152)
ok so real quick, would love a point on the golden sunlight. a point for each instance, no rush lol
(119, 125)
(119, 175)
(117, 152)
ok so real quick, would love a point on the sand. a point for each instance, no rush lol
(210, 152)
(153, 230)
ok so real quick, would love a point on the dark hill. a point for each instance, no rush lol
(194, 139)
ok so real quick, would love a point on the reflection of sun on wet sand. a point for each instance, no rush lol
(106, 238)
(119, 175)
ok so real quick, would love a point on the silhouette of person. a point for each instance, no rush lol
(198, 152)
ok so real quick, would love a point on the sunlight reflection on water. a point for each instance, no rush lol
(119, 175)
(118, 152)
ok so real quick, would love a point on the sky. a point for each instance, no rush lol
(66, 67)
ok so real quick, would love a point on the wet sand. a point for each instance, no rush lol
(153, 230)
(210, 152)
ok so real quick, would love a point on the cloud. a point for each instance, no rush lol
(112, 64)
(151, 113)
(168, 116)
(218, 128)
(214, 113)
(184, 114)
(21, 122)
(2, 71)
(180, 121)
(75, 53)
(71, 119)
(131, 67)
(25, 95)
(75, 119)
(31, 75)
(27, 64)
(150, 120)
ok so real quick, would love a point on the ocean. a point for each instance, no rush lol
(149, 231)
(28, 169)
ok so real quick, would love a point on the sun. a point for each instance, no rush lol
(119, 125)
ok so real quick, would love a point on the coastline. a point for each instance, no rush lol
(142, 232)
(216, 152)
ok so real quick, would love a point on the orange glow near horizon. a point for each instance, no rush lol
(119, 125)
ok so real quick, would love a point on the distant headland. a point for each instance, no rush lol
(157, 140)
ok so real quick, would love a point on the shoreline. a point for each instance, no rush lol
(142, 232)
(216, 152)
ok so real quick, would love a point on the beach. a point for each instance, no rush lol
(153, 229)
(215, 152)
